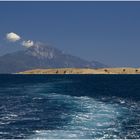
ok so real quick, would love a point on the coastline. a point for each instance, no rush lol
(121, 70)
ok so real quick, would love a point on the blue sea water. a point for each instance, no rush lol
(70, 106)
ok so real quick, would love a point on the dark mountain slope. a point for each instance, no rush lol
(42, 56)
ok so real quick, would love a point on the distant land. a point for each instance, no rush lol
(44, 59)
(84, 71)
(42, 56)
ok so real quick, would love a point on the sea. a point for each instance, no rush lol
(69, 106)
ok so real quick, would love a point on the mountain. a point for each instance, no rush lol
(42, 56)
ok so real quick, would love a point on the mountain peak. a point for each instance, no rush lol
(41, 51)
(43, 56)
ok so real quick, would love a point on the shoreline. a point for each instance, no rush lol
(122, 70)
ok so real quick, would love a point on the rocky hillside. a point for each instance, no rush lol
(41, 56)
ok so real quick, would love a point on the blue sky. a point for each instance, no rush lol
(108, 32)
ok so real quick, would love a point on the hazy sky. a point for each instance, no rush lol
(108, 32)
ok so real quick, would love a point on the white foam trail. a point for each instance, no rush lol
(89, 118)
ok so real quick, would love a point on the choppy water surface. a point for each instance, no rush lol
(70, 106)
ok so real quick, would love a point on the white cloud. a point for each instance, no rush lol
(13, 37)
(27, 43)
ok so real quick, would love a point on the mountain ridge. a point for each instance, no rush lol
(42, 56)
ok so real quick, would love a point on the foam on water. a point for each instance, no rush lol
(88, 118)
(69, 109)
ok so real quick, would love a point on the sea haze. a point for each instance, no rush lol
(69, 106)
